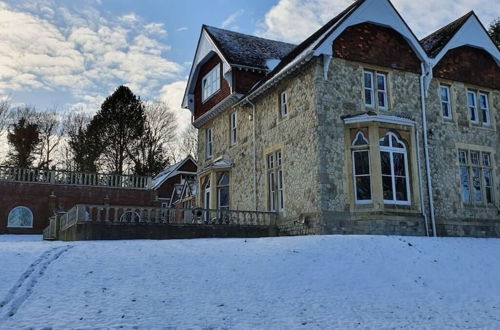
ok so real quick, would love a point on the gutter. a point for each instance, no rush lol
(426, 150)
(254, 155)
(421, 188)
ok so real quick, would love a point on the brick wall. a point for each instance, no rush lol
(373, 44)
(43, 199)
(469, 65)
(245, 80)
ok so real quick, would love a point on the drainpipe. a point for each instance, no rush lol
(422, 204)
(254, 156)
(426, 150)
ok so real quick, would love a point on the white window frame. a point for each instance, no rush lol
(384, 91)
(20, 207)
(275, 181)
(481, 164)
(391, 150)
(233, 121)
(283, 104)
(484, 111)
(447, 102)
(472, 107)
(371, 89)
(210, 84)
(209, 143)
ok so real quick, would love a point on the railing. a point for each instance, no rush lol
(156, 215)
(74, 178)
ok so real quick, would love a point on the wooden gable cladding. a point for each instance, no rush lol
(378, 45)
(201, 107)
(244, 80)
(469, 65)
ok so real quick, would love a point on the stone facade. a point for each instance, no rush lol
(326, 100)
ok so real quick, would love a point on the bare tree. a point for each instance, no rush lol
(73, 155)
(149, 154)
(189, 142)
(51, 132)
(4, 113)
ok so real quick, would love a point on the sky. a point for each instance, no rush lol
(70, 55)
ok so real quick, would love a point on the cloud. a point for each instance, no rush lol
(182, 28)
(172, 95)
(82, 52)
(229, 22)
(285, 22)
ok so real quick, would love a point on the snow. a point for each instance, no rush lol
(313, 282)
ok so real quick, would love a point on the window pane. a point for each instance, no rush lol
(385, 162)
(381, 99)
(360, 140)
(368, 96)
(368, 79)
(387, 187)
(483, 101)
(488, 183)
(464, 182)
(444, 94)
(224, 197)
(401, 192)
(385, 141)
(474, 157)
(471, 99)
(486, 159)
(381, 82)
(476, 184)
(462, 157)
(361, 163)
(363, 190)
(399, 164)
(446, 109)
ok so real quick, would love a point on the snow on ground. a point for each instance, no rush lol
(313, 282)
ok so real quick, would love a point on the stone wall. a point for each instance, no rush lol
(294, 135)
(446, 137)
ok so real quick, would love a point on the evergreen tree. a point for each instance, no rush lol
(117, 127)
(494, 31)
(24, 138)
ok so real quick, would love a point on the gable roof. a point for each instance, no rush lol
(169, 172)
(312, 39)
(436, 41)
(319, 43)
(245, 50)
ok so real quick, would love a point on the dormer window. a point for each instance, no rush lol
(211, 83)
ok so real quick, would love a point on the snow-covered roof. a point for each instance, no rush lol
(218, 164)
(246, 50)
(169, 172)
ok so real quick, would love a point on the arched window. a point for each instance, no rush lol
(361, 169)
(223, 191)
(20, 217)
(394, 163)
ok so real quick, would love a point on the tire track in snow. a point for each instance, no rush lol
(24, 286)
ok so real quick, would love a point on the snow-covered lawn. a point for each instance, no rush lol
(281, 283)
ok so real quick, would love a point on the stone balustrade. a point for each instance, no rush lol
(31, 175)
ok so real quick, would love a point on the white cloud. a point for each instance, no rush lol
(230, 21)
(82, 52)
(182, 28)
(172, 95)
(286, 22)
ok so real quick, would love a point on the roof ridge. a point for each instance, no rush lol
(246, 35)
(463, 17)
(437, 40)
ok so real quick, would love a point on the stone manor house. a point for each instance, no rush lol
(361, 128)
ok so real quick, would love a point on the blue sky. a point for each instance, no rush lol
(70, 55)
